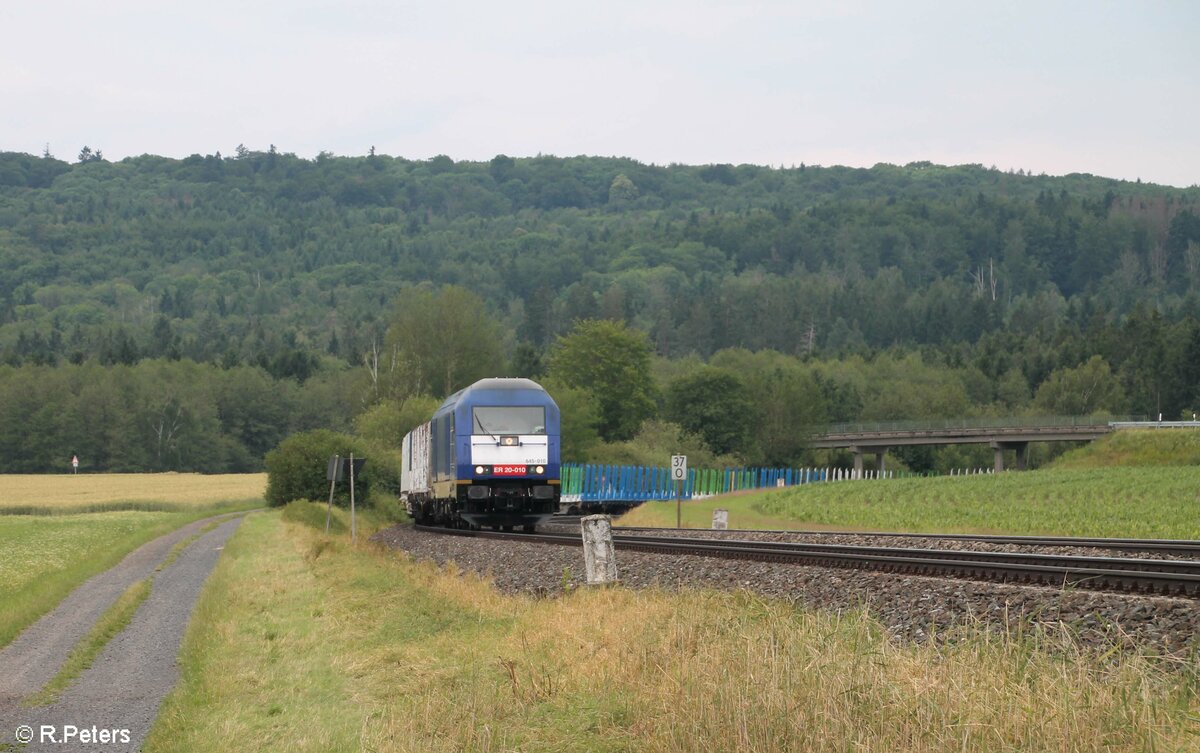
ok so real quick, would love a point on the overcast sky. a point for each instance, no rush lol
(1056, 87)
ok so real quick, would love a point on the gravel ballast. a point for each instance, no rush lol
(911, 607)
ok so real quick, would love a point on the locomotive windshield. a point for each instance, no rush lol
(510, 420)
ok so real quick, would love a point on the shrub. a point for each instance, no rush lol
(654, 445)
(296, 469)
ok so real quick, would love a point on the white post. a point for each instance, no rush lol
(599, 556)
(720, 520)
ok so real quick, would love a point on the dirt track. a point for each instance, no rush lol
(124, 687)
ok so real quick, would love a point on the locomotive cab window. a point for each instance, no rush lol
(510, 420)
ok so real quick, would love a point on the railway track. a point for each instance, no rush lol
(1179, 547)
(1168, 577)
(565, 520)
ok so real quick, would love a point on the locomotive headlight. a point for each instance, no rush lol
(479, 470)
(539, 470)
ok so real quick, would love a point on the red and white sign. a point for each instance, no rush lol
(74, 461)
(508, 470)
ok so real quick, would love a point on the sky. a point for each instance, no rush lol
(1111, 89)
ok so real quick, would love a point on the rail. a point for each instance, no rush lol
(1170, 577)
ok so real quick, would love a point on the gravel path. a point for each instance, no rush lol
(124, 687)
(910, 606)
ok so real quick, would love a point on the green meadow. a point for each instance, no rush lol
(1121, 502)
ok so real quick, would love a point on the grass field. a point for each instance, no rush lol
(1152, 502)
(51, 545)
(301, 642)
(63, 494)
(1136, 447)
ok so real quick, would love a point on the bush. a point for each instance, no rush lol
(654, 445)
(385, 467)
(296, 469)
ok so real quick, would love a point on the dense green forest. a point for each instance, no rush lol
(883, 293)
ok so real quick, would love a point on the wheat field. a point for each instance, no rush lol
(62, 494)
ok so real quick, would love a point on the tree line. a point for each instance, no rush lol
(159, 415)
(621, 402)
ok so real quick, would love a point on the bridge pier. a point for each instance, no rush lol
(1021, 448)
(879, 452)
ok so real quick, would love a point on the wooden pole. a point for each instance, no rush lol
(332, 483)
(353, 530)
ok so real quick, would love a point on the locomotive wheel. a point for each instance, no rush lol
(529, 528)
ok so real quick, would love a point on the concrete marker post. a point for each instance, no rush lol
(599, 555)
(720, 519)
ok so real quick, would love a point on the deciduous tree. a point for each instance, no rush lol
(612, 362)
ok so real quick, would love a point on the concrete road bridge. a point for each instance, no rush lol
(1001, 434)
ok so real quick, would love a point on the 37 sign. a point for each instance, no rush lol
(679, 469)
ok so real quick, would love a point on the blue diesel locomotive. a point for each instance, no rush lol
(489, 457)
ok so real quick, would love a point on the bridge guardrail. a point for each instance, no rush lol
(950, 424)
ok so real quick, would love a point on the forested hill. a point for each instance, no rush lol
(266, 258)
(188, 314)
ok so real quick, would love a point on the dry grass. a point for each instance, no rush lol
(306, 644)
(63, 494)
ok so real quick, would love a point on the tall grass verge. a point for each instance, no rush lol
(302, 642)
